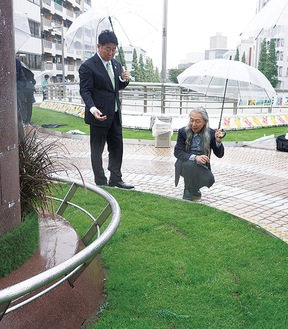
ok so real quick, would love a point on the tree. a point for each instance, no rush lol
(237, 55)
(121, 58)
(173, 73)
(243, 59)
(142, 73)
(263, 57)
(157, 75)
(149, 70)
(271, 67)
(135, 67)
(268, 62)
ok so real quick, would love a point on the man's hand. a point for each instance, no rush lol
(125, 75)
(99, 116)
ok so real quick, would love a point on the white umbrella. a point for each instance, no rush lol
(127, 19)
(39, 75)
(226, 79)
(274, 14)
(22, 29)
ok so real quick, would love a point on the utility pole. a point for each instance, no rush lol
(61, 29)
(164, 42)
(164, 56)
(10, 212)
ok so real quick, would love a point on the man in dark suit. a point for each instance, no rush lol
(101, 78)
(21, 84)
(193, 150)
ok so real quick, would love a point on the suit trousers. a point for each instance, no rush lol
(196, 176)
(98, 138)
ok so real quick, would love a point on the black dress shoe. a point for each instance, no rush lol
(121, 185)
(197, 194)
(187, 195)
(101, 183)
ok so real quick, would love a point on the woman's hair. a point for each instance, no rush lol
(205, 130)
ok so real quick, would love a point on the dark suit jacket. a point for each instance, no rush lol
(20, 77)
(182, 154)
(96, 89)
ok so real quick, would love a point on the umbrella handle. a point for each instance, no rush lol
(224, 133)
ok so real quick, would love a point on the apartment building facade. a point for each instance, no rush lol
(45, 51)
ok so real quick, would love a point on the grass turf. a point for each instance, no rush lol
(42, 116)
(18, 245)
(176, 264)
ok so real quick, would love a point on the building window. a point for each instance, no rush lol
(32, 61)
(34, 29)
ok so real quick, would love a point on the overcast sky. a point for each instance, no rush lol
(190, 24)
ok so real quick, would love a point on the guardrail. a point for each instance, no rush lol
(166, 98)
(72, 268)
(142, 102)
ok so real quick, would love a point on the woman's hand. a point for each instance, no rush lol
(219, 135)
(202, 159)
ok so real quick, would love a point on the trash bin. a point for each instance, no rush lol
(162, 131)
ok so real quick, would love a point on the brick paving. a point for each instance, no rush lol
(251, 181)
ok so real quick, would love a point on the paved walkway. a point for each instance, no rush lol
(251, 180)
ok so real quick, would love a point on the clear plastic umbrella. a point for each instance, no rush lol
(227, 79)
(127, 19)
(272, 16)
(22, 29)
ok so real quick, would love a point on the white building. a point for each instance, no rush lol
(246, 46)
(191, 58)
(218, 47)
(45, 51)
(31, 51)
(280, 34)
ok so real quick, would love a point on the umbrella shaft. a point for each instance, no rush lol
(223, 102)
(120, 55)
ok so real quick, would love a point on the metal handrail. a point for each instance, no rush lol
(76, 263)
(161, 98)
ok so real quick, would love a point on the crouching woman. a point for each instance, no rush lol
(193, 151)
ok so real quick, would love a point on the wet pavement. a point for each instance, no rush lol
(251, 179)
(65, 307)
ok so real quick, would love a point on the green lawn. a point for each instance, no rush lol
(42, 116)
(177, 264)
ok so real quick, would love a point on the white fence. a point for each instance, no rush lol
(142, 102)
